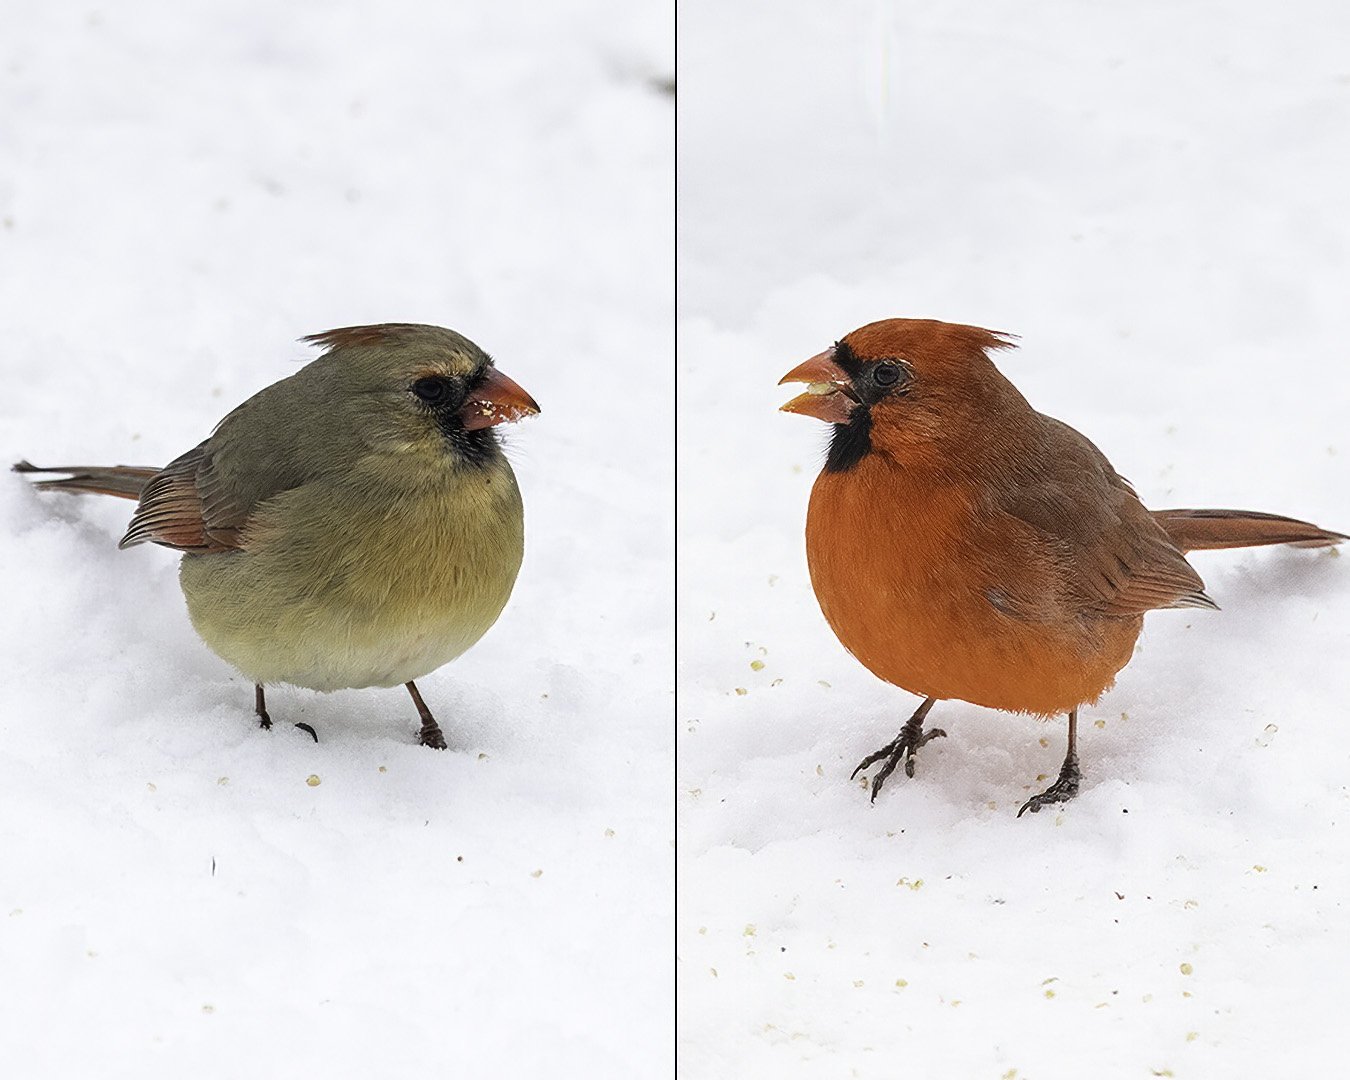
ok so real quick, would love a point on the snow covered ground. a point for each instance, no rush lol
(185, 189)
(1153, 196)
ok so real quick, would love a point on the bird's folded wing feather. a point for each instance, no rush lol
(201, 502)
(184, 507)
(1114, 557)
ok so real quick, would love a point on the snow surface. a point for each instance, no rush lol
(185, 189)
(1154, 196)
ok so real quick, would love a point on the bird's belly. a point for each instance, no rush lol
(922, 606)
(406, 594)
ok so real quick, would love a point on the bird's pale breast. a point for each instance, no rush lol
(347, 583)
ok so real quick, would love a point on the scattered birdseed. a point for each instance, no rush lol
(1186, 969)
(741, 691)
(313, 781)
(901, 983)
(536, 873)
(756, 665)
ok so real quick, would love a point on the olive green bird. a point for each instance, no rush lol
(353, 525)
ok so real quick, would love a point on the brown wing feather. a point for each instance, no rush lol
(173, 511)
(1116, 559)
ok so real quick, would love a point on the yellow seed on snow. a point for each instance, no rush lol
(313, 781)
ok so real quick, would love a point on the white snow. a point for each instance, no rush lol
(1153, 196)
(184, 191)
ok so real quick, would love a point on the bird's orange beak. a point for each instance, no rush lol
(496, 400)
(829, 391)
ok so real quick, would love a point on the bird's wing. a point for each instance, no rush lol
(202, 501)
(185, 506)
(1115, 558)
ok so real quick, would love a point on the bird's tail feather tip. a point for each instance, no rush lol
(1208, 530)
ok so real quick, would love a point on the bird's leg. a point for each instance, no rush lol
(265, 721)
(911, 737)
(430, 735)
(1066, 787)
(260, 707)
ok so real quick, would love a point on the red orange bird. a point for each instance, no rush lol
(963, 545)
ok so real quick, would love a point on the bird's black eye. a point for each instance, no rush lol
(434, 389)
(887, 374)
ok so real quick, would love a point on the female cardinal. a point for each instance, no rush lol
(963, 545)
(355, 524)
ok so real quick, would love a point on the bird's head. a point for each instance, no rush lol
(431, 387)
(915, 388)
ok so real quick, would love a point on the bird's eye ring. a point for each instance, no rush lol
(433, 389)
(886, 374)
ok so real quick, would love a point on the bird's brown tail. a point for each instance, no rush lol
(124, 481)
(1207, 530)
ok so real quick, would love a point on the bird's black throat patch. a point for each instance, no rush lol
(850, 442)
(478, 448)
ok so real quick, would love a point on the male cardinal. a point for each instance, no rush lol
(355, 524)
(963, 545)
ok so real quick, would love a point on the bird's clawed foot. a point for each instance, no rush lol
(1062, 790)
(901, 748)
(430, 734)
(265, 721)
(260, 707)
